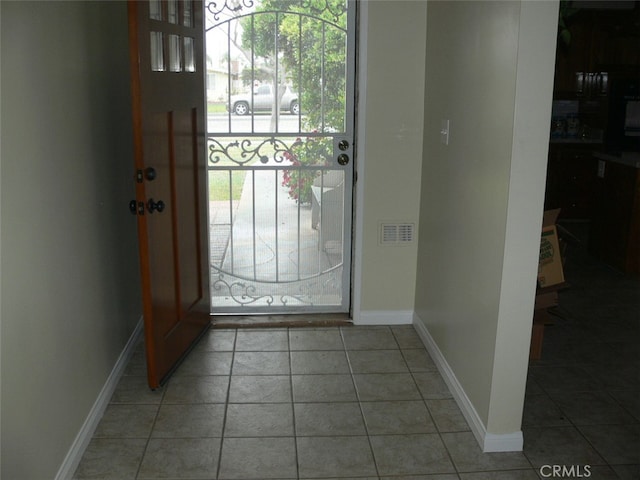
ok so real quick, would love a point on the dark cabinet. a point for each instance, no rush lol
(601, 40)
(615, 226)
(571, 176)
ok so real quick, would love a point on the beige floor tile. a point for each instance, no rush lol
(386, 386)
(365, 338)
(180, 458)
(411, 454)
(328, 419)
(318, 362)
(197, 389)
(447, 415)
(127, 421)
(315, 339)
(258, 458)
(325, 457)
(261, 363)
(259, 420)
(400, 417)
(111, 459)
(262, 341)
(260, 389)
(377, 361)
(323, 388)
(189, 421)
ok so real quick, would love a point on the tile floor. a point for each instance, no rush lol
(369, 403)
(582, 402)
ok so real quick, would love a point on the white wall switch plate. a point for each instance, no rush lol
(444, 132)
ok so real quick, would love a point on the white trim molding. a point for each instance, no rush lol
(383, 317)
(489, 442)
(359, 142)
(81, 442)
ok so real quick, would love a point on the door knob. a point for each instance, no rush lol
(343, 159)
(155, 206)
(150, 173)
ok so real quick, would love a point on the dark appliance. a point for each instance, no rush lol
(623, 124)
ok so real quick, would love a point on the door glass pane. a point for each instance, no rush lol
(172, 11)
(155, 9)
(189, 55)
(157, 52)
(175, 54)
(187, 13)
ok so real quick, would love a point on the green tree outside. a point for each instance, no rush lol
(302, 43)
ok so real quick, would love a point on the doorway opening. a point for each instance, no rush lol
(280, 123)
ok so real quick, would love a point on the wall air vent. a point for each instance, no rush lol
(397, 234)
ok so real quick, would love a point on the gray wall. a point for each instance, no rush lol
(489, 70)
(70, 282)
(389, 153)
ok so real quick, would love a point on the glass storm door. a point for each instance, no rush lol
(280, 90)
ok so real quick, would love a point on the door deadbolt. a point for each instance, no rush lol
(150, 173)
(136, 208)
(343, 145)
(343, 159)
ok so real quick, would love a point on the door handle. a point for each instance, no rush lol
(343, 159)
(155, 206)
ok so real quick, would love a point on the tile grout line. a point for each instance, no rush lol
(226, 403)
(293, 409)
(359, 400)
(424, 401)
(153, 426)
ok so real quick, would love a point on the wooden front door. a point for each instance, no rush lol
(167, 63)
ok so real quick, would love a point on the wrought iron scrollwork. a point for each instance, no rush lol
(242, 293)
(233, 6)
(336, 10)
(242, 152)
(245, 292)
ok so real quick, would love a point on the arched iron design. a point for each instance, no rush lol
(244, 292)
(240, 8)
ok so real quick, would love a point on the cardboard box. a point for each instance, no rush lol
(550, 270)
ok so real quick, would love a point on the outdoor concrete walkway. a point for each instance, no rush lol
(265, 260)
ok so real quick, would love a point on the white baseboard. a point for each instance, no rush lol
(384, 317)
(71, 461)
(489, 442)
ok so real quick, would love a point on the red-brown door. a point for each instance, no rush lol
(167, 63)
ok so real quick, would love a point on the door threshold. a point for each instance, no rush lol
(282, 321)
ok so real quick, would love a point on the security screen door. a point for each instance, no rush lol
(280, 90)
